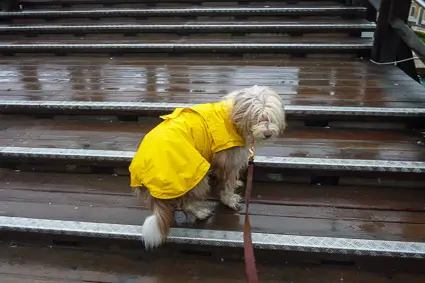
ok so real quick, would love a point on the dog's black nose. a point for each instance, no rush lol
(267, 134)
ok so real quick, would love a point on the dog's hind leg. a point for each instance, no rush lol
(200, 213)
(191, 200)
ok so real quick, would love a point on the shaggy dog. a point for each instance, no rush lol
(175, 161)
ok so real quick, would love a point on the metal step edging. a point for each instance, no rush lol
(220, 238)
(237, 11)
(144, 108)
(125, 157)
(142, 28)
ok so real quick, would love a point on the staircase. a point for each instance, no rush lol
(83, 81)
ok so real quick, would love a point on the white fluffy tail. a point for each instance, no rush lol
(151, 232)
(156, 226)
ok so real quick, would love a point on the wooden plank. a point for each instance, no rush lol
(405, 228)
(88, 198)
(130, 208)
(296, 142)
(330, 82)
(381, 196)
(60, 264)
(373, 196)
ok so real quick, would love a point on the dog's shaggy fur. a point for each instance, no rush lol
(258, 115)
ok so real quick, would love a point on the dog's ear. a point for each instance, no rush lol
(283, 128)
(283, 124)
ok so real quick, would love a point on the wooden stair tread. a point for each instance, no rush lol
(56, 196)
(296, 142)
(314, 82)
(23, 264)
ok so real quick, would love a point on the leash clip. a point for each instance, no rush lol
(251, 154)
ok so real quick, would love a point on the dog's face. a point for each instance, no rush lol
(265, 130)
(258, 112)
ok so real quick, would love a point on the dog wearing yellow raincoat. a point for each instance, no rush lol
(175, 160)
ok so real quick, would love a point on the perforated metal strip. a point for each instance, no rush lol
(186, 11)
(139, 47)
(145, 107)
(187, 27)
(221, 238)
(117, 156)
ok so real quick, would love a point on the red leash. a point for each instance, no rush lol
(250, 267)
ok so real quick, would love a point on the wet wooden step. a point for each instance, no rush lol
(276, 167)
(193, 27)
(35, 202)
(110, 144)
(38, 3)
(22, 263)
(192, 44)
(134, 86)
(182, 10)
(315, 142)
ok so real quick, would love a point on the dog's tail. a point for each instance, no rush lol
(156, 226)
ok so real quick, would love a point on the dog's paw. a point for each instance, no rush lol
(231, 200)
(202, 213)
(239, 183)
(190, 219)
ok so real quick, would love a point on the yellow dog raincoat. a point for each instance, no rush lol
(174, 157)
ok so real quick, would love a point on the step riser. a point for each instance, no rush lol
(223, 239)
(261, 174)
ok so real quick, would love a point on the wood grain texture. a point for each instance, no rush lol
(304, 210)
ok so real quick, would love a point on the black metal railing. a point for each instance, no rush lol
(394, 40)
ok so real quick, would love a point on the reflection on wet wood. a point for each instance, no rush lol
(107, 199)
(300, 82)
(338, 142)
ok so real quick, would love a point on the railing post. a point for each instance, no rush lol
(9, 5)
(371, 13)
(388, 46)
(371, 10)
